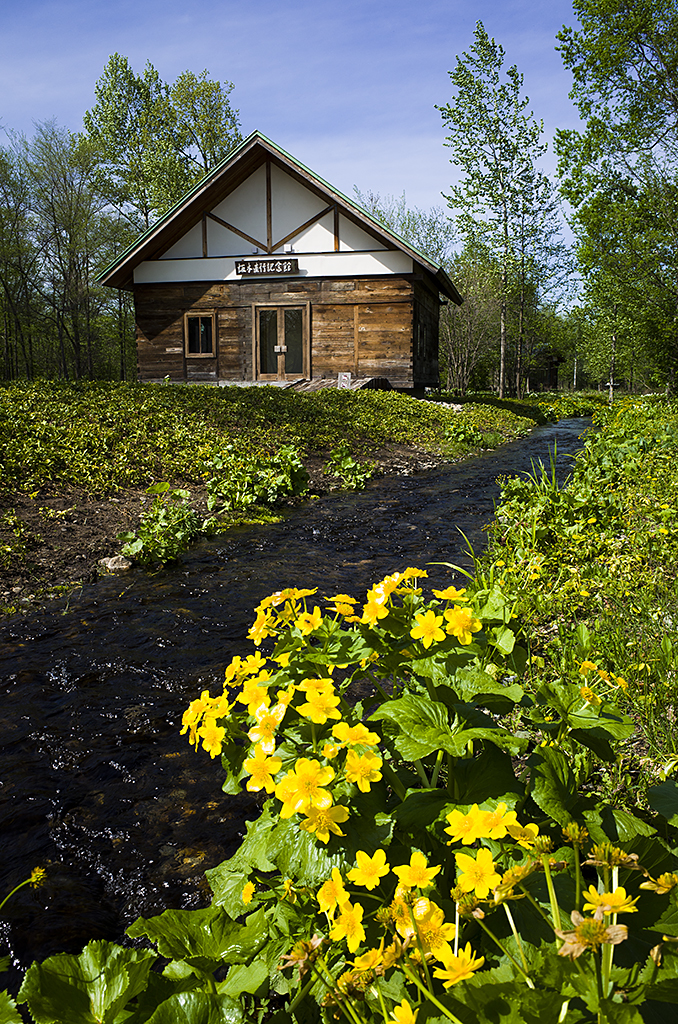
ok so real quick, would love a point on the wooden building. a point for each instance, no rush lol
(264, 272)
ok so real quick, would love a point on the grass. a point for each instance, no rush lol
(593, 567)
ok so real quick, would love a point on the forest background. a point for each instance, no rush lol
(592, 304)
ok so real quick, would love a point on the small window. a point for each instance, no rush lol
(199, 334)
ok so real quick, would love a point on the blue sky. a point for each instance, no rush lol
(348, 88)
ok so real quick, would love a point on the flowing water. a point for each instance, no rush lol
(96, 784)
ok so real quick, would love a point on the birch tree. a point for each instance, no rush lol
(495, 142)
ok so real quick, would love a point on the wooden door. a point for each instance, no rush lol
(281, 342)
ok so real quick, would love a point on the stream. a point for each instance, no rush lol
(96, 784)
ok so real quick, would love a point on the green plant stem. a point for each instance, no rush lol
(555, 909)
(421, 948)
(578, 877)
(429, 995)
(504, 950)
(301, 994)
(393, 781)
(346, 1008)
(516, 936)
(421, 773)
(15, 889)
(436, 770)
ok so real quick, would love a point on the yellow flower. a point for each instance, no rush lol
(427, 628)
(451, 594)
(320, 706)
(362, 769)
(465, 826)
(616, 902)
(262, 769)
(586, 667)
(372, 612)
(665, 883)
(330, 751)
(247, 893)
(526, 836)
(590, 696)
(495, 823)
(434, 934)
(308, 622)
(235, 669)
(263, 626)
(403, 1014)
(322, 821)
(267, 721)
(370, 870)
(477, 875)
(193, 714)
(332, 892)
(416, 874)
(212, 736)
(355, 735)
(369, 960)
(461, 623)
(288, 892)
(301, 788)
(38, 876)
(348, 925)
(459, 967)
(254, 694)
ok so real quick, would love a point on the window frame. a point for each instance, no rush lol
(203, 314)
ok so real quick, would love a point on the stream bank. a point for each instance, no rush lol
(98, 786)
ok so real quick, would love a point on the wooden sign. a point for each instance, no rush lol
(266, 266)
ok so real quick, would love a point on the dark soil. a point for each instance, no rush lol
(52, 541)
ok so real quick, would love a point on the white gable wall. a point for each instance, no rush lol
(245, 208)
(292, 204)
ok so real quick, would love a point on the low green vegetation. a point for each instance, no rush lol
(470, 812)
(106, 436)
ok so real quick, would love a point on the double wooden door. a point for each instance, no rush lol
(281, 342)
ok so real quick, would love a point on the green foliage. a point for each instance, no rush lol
(155, 141)
(105, 436)
(619, 175)
(165, 530)
(240, 480)
(413, 736)
(353, 474)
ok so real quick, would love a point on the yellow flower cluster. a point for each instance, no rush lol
(589, 669)
(378, 596)
(417, 924)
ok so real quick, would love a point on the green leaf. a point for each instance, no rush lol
(487, 776)
(554, 786)
(421, 726)
(246, 978)
(203, 938)
(198, 1008)
(503, 638)
(420, 807)
(8, 1011)
(664, 799)
(94, 986)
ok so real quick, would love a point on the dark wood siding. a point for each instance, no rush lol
(425, 336)
(367, 326)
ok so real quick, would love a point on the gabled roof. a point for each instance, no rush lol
(221, 181)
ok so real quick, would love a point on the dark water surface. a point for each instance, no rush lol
(95, 782)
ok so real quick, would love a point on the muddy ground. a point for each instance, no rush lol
(52, 541)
